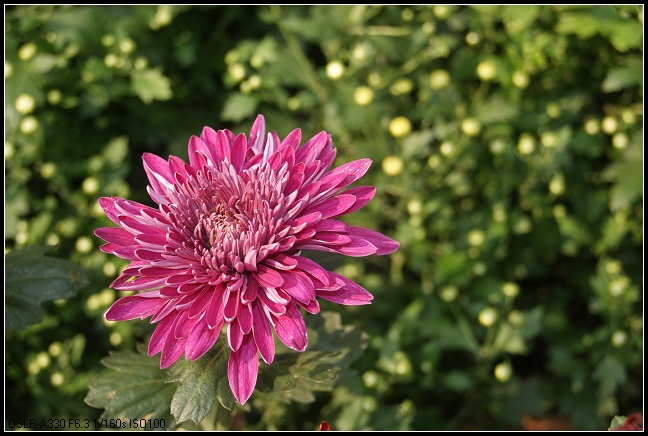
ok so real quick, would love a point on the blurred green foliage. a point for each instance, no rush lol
(508, 155)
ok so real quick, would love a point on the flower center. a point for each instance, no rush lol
(221, 223)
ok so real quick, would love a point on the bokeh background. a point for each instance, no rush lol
(507, 147)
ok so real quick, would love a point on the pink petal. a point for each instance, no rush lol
(267, 277)
(164, 311)
(351, 170)
(133, 306)
(250, 292)
(385, 244)
(356, 248)
(363, 195)
(313, 268)
(312, 306)
(257, 134)
(196, 148)
(160, 335)
(332, 225)
(292, 139)
(299, 286)
(184, 326)
(239, 148)
(139, 284)
(234, 335)
(332, 207)
(291, 328)
(231, 305)
(351, 294)
(200, 304)
(201, 339)
(158, 173)
(172, 350)
(108, 206)
(262, 331)
(242, 369)
(311, 150)
(221, 147)
(245, 318)
(151, 240)
(274, 307)
(115, 235)
(214, 315)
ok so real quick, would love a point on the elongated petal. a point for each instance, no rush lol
(242, 369)
(351, 294)
(201, 339)
(115, 235)
(262, 331)
(291, 328)
(384, 244)
(298, 286)
(158, 173)
(268, 277)
(160, 335)
(133, 306)
(257, 134)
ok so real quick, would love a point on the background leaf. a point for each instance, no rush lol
(296, 376)
(200, 383)
(133, 387)
(150, 85)
(31, 278)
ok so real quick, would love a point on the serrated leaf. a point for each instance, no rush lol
(134, 387)
(31, 278)
(239, 106)
(295, 376)
(151, 85)
(201, 382)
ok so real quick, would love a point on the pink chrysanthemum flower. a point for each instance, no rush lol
(222, 249)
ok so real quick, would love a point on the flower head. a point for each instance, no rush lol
(222, 249)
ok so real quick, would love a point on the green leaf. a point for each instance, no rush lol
(582, 24)
(610, 374)
(417, 142)
(295, 376)
(625, 35)
(496, 110)
(627, 173)
(116, 151)
(31, 279)
(201, 382)
(151, 85)
(532, 323)
(239, 107)
(625, 76)
(134, 387)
